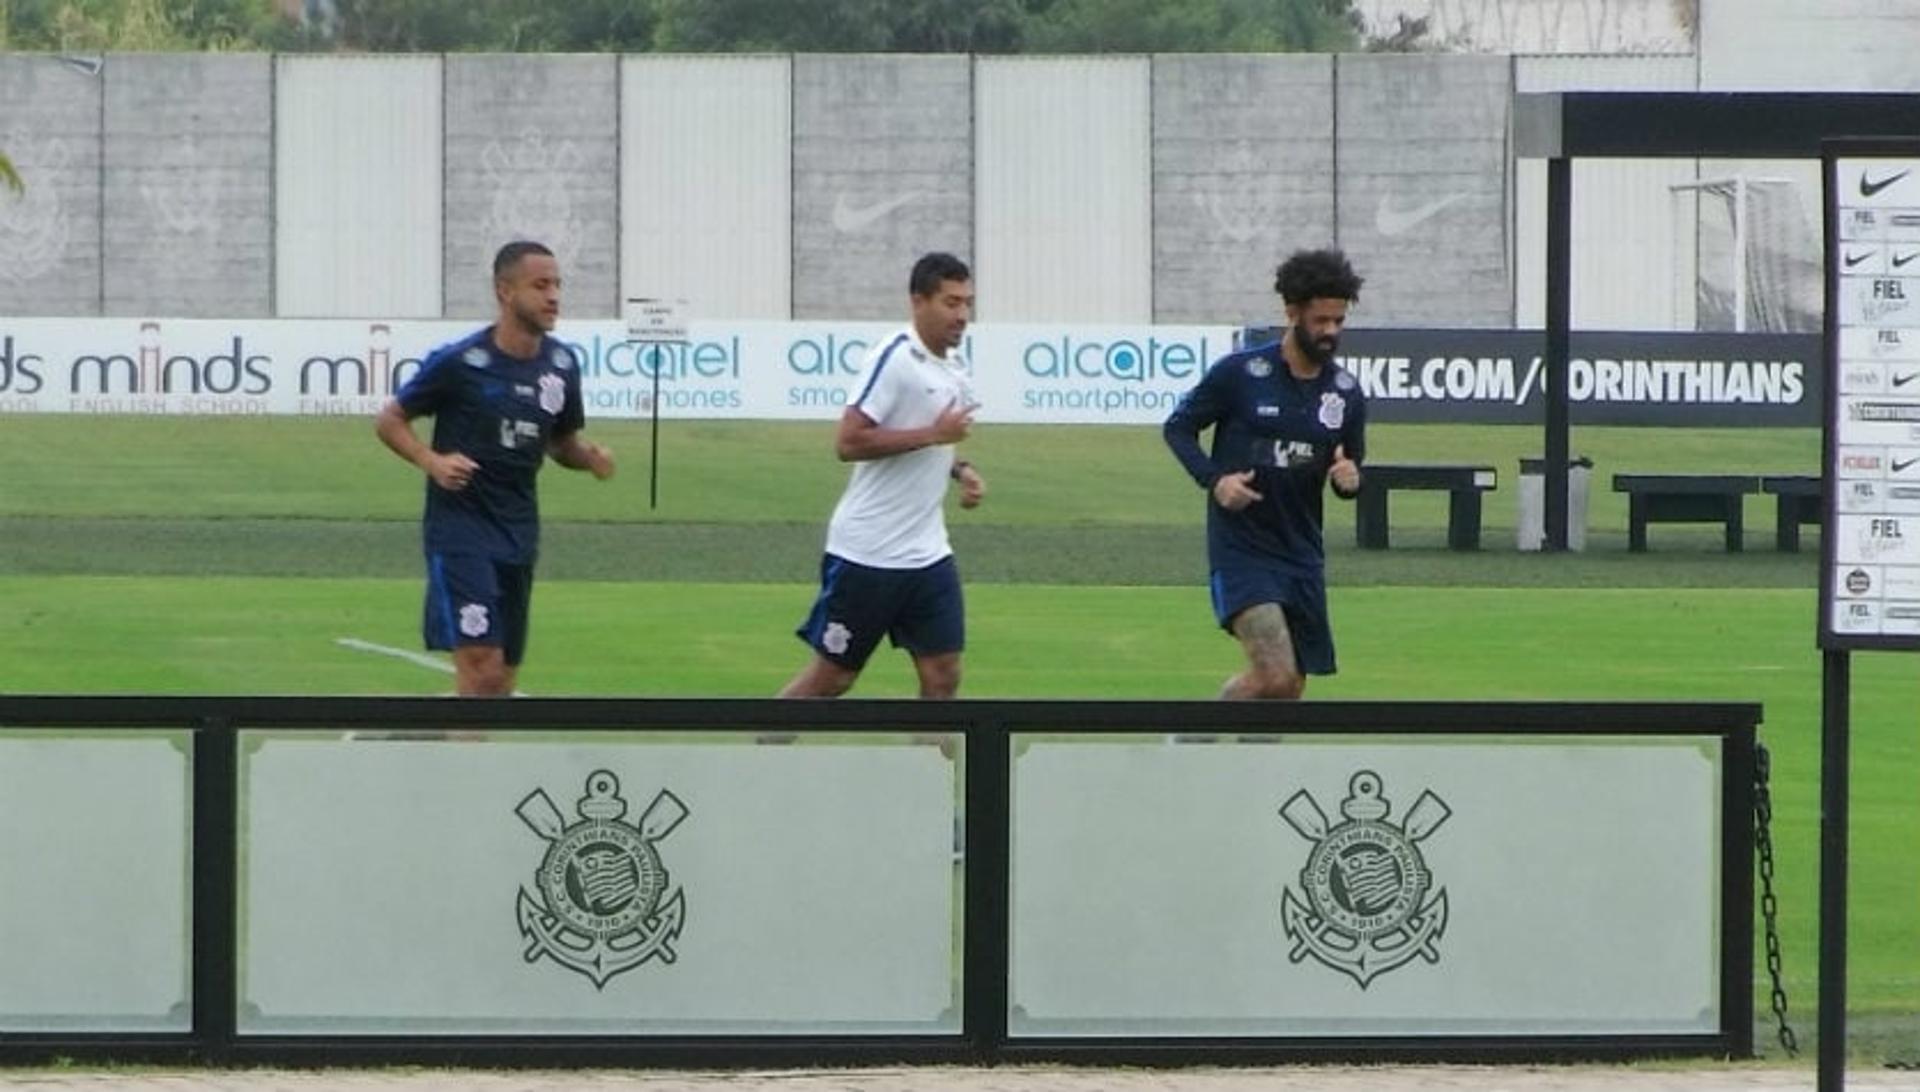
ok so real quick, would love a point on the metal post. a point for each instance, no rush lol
(215, 943)
(989, 872)
(1740, 254)
(653, 457)
(1559, 343)
(1834, 729)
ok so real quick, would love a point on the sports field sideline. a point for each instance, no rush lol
(1012, 1079)
(229, 556)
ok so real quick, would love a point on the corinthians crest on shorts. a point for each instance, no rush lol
(600, 904)
(1367, 908)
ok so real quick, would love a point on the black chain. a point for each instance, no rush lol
(1770, 906)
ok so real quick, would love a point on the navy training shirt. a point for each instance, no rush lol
(499, 411)
(1282, 428)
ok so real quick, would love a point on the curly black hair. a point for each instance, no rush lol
(1317, 274)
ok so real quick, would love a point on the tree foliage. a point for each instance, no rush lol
(798, 26)
(1153, 26)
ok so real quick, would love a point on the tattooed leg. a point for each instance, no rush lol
(1271, 669)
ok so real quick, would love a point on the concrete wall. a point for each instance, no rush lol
(358, 192)
(882, 173)
(1242, 169)
(706, 193)
(50, 236)
(1421, 151)
(532, 152)
(1809, 45)
(1063, 184)
(189, 185)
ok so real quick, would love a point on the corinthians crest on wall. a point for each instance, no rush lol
(1369, 902)
(600, 903)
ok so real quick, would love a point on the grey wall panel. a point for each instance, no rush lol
(1065, 174)
(706, 199)
(357, 159)
(533, 153)
(50, 235)
(1422, 161)
(882, 173)
(1242, 175)
(189, 155)
(1633, 238)
(1809, 45)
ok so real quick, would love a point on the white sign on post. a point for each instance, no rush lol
(1870, 582)
(655, 320)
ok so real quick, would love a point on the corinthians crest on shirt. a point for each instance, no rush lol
(553, 392)
(600, 903)
(1369, 904)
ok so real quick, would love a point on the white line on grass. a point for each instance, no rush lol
(432, 663)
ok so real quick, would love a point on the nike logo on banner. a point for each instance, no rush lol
(1855, 259)
(1869, 188)
(1393, 221)
(1902, 259)
(1903, 380)
(850, 219)
(1900, 465)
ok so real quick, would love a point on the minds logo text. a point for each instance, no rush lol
(151, 370)
(20, 371)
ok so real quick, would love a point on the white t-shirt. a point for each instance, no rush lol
(890, 517)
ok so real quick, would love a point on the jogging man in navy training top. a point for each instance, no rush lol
(1286, 421)
(502, 399)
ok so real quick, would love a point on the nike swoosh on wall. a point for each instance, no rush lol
(1869, 187)
(1389, 220)
(849, 218)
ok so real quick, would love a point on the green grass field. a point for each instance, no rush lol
(225, 557)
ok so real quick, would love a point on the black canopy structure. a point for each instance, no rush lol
(1562, 126)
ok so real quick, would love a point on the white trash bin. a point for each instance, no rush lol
(1530, 531)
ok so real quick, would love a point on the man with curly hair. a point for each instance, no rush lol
(1286, 422)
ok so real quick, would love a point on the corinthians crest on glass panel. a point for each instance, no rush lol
(1367, 907)
(601, 902)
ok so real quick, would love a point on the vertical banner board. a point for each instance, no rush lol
(1870, 578)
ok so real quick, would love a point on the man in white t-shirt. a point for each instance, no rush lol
(888, 569)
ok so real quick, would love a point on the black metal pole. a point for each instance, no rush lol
(653, 458)
(1558, 348)
(215, 946)
(989, 875)
(1834, 729)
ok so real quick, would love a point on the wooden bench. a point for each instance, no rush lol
(1685, 498)
(1799, 498)
(1464, 484)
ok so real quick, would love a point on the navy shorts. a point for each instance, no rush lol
(1302, 598)
(473, 600)
(920, 610)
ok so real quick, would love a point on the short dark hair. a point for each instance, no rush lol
(933, 268)
(509, 256)
(1317, 275)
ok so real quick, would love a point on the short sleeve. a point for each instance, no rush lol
(880, 394)
(427, 392)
